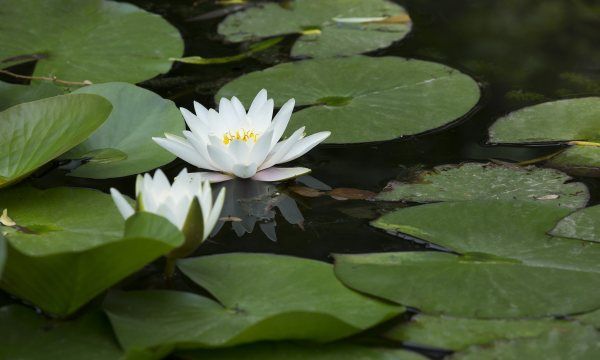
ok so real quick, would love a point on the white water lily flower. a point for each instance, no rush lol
(235, 143)
(173, 202)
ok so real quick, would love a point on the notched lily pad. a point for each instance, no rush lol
(327, 28)
(34, 133)
(452, 333)
(261, 297)
(476, 287)
(27, 335)
(576, 343)
(571, 120)
(122, 42)
(123, 145)
(476, 181)
(385, 98)
(583, 224)
(69, 245)
(293, 351)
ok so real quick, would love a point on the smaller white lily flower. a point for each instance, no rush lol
(175, 202)
(235, 143)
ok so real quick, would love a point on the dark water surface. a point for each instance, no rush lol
(521, 52)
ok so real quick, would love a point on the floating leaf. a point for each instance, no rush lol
(34, 133)
(123, 145)
(557, 121)
(591, 318)
(385, 97)
(452, 333)
(121, 42)
(292, 351)
(69, 245)
(474, 181)
(473, 285)
(327, 29)
(508, 229)
(13, 94)
(583, 224)
(261, 297)
(254, 48)
(577, 343)
(562, 120)
(27, 335)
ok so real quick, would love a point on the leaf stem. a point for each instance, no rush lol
(44, 78)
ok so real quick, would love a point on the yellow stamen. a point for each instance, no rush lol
(241, 134)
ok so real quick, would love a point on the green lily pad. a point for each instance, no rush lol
(578, 160)
(473, 285)
(292, 351)
(452, 333)
(555, 121)
(580, 343)
(68, 245)
(385, 97)
(122, 42)
(591, 318)
(27, 335)
(261, 297)
(34, 133)
(13, 94)
(583, 224)
(327, 28)
(123, 145)
(508, 229)
(475, 181)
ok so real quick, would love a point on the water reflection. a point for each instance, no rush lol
(249, 203)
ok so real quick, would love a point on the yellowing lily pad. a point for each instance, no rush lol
(583, 224)
(260, 297)
(93, 40)
(34, 133)
(70, 244)
(327, 28)
(475, 181)
(384, 98)
(123, 145)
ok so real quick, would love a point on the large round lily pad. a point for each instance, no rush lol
(557, 121)
(93, 40)
(511, 229)
(34, 133)
(123, 145)
(361, 99)
(583, 224)
(475, 181)
(328, 28)
(452, 333)
(293, 351)
(473, 285)
(261, 297)
(578, 343)
(68, 245)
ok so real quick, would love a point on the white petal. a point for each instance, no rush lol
(215, 213)
(305, 145)
(161, 183)
(199, 144)
(213, 177)
(239, 151)
(262, 120)
(201, 111)
(125, 209)
(238, 107)
(220, 158)
(193, 122)
(261, 149)
(279, 174)
(281, 120)
(244, 171)
(257, 103)
(185, 152)
(228, 114)
(281, 149)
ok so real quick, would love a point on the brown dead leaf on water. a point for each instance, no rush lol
(398, 19)
(351, 194)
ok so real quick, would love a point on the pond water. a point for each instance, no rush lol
(520, 52)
